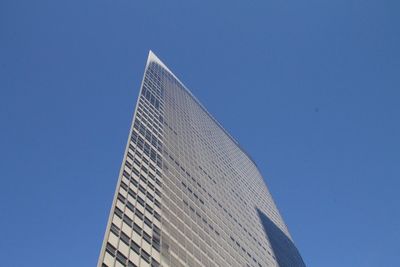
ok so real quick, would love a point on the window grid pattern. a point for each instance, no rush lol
(188, 195)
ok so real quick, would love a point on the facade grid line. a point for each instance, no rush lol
(187, 193)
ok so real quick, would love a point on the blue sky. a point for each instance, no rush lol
(309, 88)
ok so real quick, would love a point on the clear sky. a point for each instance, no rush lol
(309, 88)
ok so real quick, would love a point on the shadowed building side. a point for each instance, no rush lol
(283, 247)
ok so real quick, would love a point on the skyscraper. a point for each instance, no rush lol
(187, 193)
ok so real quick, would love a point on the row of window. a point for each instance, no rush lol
(131, 185)
(148, 135)
(153, 119)
(147, 149)
(191, 191)
(155, 79)
(201, 220)
(238, 197)
(144, 191)
(121, 258)
(151, 98)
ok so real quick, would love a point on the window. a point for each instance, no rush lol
(127, 220)
(147, 221)
(139, 214)
(157, 216)
(149, 209)
(142, 189)
(135, 247)
(137, 229)
(140, 200)
(124, 186)
(121, 258)
(130, 206)
(118, 212)
(125, 238)
(147, 237)
(146, 256)
(111, 249)
(131, 193)
(154, 263)
(128, 164)
(121, 198)
(114, 229)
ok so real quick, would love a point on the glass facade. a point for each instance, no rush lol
(187, 194)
